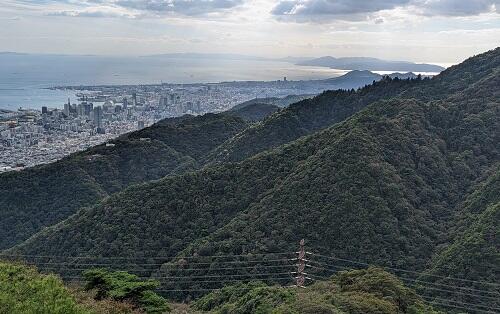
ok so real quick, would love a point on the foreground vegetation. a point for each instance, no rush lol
(372, 290)
(23, 290)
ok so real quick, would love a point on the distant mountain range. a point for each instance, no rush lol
(371, 64)
(349, 63)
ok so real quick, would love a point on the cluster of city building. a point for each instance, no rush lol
(32, 137)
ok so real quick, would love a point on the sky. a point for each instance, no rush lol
(433, 31)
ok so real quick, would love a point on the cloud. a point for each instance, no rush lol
(184, 7)
(13, 18)
(133, 8)
(352, 10)
(334, 7)
(94, 12)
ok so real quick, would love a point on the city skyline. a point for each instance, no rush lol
(433, 31)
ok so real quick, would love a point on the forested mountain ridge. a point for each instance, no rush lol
(254, 112)
(304, 117)
(380, 187)
(44, 195)
(331, 107)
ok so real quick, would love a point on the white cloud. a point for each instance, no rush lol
(98, 12)
(185, 7)
(129, 8)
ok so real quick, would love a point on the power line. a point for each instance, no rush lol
(173, 258)
(174, 270)
(403, 270)
(166, 263)
(205, 276)
(456, 306)
(403, 278)
(213, 290)
(470, 306)
(145, 257)
(432, 288)
(217, 260)
(222, 281)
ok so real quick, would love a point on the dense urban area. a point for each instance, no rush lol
(30, 137)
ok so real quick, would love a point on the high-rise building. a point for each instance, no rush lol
(163, 102)
(98, 116)
(67, 109)
(140, 125)
(80, 109)
(134, 99)
(87, 108)
(125, 103)
(44, 110)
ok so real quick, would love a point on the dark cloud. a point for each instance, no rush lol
(185, 7)
(310, 10)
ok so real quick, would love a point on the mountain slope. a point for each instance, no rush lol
(474, 253)
(254, 112)
(41, 196)
(276, 101)
(304, 117)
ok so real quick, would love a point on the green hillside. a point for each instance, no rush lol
(275, 101)
(474, 253)
(41, 196)
(305, 117)
(254, 112)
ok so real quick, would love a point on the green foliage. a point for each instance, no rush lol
(122, 286)
(356, 292)
(254, 297)
(24, 291)
(374, 288)
(474, 252)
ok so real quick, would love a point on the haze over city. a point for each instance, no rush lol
(433, 31)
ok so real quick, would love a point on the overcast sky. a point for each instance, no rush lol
(436, 31)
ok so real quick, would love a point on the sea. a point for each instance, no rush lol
(25, 79)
